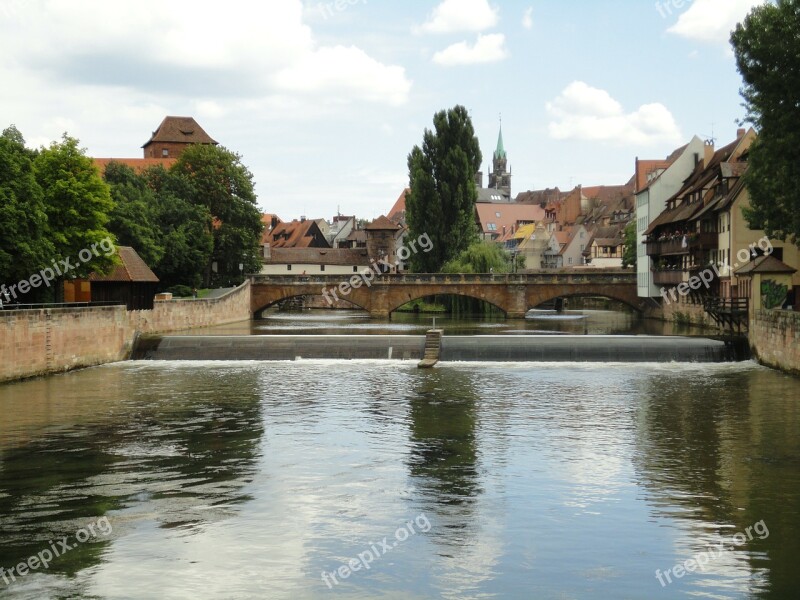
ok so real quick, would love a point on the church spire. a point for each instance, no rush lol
(500, 152)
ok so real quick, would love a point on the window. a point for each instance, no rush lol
(355, 269)
(497, 214)
(491, 226)
(165, 152)
(582, 234)
(570, 260)
(288, 267)
(322, 268)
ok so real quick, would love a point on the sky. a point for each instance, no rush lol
(324, 99)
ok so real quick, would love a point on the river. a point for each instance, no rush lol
(375, 479)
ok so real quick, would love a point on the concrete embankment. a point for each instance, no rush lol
(454, 349)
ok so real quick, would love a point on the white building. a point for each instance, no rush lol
(656, 182)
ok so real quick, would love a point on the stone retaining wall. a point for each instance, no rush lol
(54, 340)
(775, 339)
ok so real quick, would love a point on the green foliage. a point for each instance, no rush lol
(77, 203)
(481, 257)
(773, 294)
(183, 231)
(767, 50)
(180, 291)
(630, 251)
(216, 179)
(25, 246)
(134, 219)
(442, 196)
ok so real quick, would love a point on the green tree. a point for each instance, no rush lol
(134, 220)
(767, 50)
(77, 203)
(482, 257)
(25, 246)
(216, 179)
(630, 251)
(442, 199)
(183, 230)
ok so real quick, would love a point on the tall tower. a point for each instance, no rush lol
(499, 175)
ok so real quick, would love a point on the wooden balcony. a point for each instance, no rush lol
(674, 277)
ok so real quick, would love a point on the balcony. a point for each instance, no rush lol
(683, 244)
(673, 277)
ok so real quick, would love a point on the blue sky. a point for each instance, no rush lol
(324, 102)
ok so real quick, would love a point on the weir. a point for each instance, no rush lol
(523, 348)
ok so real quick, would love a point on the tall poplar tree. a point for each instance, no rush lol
(441, 201)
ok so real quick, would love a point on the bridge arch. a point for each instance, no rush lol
(538, 297)
(265, 304)
(395, 304)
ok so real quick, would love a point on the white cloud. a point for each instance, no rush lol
(582, 112)
(712, 20)
(487, 49)
(527, 18)
(193, 50)
(453, 16)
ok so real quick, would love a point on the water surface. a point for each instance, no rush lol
(251, 480)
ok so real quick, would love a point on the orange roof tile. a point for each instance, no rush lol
(137, 164)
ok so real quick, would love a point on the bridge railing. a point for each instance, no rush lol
(604, 276)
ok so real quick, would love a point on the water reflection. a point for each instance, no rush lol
(719, 454)
(443, 445)
(89, 450)
(245, 480)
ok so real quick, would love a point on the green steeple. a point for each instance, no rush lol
(501, 151)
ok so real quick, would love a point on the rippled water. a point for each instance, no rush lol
(249, 480)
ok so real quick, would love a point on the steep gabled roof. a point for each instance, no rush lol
(182, 130)
(132, 269)
(382, 224)
(297, 234)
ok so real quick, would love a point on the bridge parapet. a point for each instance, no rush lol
(564, 276)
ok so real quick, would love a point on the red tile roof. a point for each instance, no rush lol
(132, 269)
(510, 216)
(399, 206)
(318, 256)
(137, 164)
(184, 130)
(297, 234)
(382, 224)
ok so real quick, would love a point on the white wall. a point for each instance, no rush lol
(652, 202)
(308, 269)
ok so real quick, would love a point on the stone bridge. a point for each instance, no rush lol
(514, 294)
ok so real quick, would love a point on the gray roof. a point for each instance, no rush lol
(492, 196)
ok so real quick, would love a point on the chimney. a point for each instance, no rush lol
(740, 133)
(274, 222)
(708, 153)
(303, 219)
